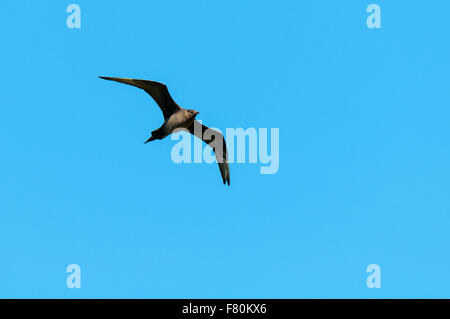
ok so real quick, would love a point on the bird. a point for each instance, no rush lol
(176, 117)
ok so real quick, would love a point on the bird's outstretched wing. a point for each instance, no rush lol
(220, 149)
(157, 91)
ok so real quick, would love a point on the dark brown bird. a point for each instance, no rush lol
(176, 117)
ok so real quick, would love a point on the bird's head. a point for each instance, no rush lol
(192, 113)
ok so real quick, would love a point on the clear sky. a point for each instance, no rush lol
(364, 176)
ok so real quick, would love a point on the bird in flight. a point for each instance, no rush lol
(176, 117)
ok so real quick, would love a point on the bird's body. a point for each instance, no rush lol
(180, 119)
(176, 117)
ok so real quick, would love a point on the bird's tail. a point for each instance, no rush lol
(156, 135)
(150, 139)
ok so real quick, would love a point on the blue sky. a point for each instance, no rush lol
(364, 172)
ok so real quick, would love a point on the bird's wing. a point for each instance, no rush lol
(157, 91)
(221, 154)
